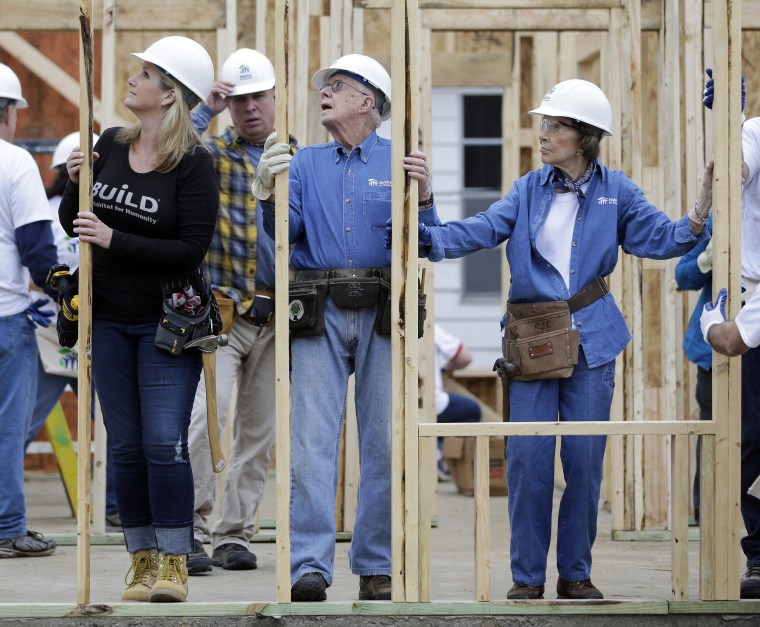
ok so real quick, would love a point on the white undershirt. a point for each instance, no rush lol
(555, 238)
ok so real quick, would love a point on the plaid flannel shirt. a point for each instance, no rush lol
(231, 259)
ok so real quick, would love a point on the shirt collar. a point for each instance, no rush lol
(548, 176)
(364, 149)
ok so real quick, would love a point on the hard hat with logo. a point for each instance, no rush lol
(185, 60)
(65, 146)
(10, 86)
(249, 70)
(579, 100)
(366, 67)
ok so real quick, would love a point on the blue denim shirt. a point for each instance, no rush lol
(615, 213)
(340, 202)
(690, 277)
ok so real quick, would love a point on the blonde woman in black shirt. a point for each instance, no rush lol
(155, 200)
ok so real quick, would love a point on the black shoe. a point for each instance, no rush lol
(309, 587)
(31, 544)
(583, 589)
(375, 588)
(198, 562)
(113, 522)
(750, 583)
(231, 556)
(522, 591)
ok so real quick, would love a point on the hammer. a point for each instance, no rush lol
(207, 345)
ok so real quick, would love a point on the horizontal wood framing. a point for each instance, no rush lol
(379, 608)
(170, 15)
(615, 427)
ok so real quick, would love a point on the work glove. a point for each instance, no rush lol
(276, 159)
(704, 259)
(424, 238)
(713, 314)
(39, 316)
(709, 93)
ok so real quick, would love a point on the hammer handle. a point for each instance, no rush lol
(209, 375)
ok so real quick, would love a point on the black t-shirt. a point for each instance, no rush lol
(162, 225)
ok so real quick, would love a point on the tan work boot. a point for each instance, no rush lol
(171, 582)
(144, 570)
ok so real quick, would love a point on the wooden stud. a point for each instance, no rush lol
(679, 507)
(482, 520)
(84, 371)
(283, 20)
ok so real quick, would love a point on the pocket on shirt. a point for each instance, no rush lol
(376, 209)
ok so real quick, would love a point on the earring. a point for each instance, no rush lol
(579, 152)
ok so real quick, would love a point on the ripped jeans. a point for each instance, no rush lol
(146, 395)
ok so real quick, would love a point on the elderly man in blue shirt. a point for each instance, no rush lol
(564, 224)
(340, 201)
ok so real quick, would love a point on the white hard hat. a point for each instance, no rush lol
(366, 67)
(10, 86)
(65, 146)
(185, 60)
(250, 70)
(579, 100)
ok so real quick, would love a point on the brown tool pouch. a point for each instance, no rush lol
(539, 341)
(306, 308)
(227, 310)
(383, 319)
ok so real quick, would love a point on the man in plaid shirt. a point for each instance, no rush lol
(241, 268)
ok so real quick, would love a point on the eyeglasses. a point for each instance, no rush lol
(338, 84)
(553, 127)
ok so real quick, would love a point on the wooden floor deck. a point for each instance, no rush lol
(634, 575)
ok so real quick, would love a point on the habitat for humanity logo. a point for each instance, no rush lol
(69, 359)
(376, 183)
(603, 200)
(244, 72)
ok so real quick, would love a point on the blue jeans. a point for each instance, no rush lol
(586, 395)
(18, 388)
(461, 408)
(750, 505)
(146, 395)
(50, 387)
(320, 370)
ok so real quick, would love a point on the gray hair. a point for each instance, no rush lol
(589, 140)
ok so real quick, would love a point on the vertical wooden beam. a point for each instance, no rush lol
(428, 448)
(482, 520)
(283, 20)
(84, 371)
(679, 507)
(404, 345)
(261, 26)
(726, 380)
(300, 117)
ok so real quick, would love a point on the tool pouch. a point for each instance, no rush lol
(306, 308)
(383, 319)
(539, 341)
(354, 293)
(190, 312)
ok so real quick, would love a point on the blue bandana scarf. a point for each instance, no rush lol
(561, 185)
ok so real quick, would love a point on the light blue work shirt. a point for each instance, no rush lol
(615, 213)
(340, 202)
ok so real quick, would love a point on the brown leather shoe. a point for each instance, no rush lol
(522, 591)
(577, 590)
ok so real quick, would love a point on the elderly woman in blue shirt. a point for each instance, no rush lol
(564, 224)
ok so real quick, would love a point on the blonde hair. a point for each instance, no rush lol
(176, 136)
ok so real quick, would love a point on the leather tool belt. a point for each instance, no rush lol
(539, 341)
(349, 288)
(261, 311)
